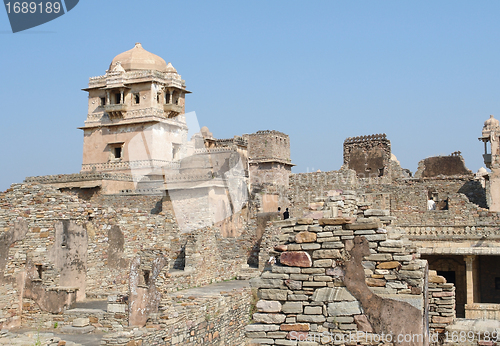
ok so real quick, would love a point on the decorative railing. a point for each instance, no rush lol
(131, 165)
(66, 178)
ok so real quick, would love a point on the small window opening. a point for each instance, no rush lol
(118, 152)
(137, 99)
(146, 277)
(103, 101)
(167, 97)
(39, 270)
(118, 98)
(158, 98)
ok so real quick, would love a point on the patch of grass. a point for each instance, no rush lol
(253, 304)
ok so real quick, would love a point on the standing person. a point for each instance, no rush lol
(286, 214)
(279, 212)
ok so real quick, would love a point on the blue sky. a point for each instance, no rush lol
(425, 73)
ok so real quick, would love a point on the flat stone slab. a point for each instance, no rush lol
(77, 330)
(81, 322)
(335, 221)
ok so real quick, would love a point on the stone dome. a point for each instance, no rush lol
(482, 170)
(491, 122)
(138, 58)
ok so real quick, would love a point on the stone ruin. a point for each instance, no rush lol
(129, 248)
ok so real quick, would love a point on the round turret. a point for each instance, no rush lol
(491, 124)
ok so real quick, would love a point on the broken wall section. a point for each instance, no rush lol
(216, 320)
(313, 289)
(306, 188)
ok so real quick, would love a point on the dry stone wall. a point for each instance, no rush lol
(304, 299)
(218, 320)
(115, 233)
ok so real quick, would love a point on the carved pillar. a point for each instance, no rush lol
(471, 279)
(121, 97)
(171, 96)
(107, 97)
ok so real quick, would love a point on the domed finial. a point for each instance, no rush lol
(138, 45)
(170, 68)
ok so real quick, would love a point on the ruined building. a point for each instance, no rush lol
(161, 206)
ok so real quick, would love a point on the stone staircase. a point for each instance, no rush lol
(248, 273)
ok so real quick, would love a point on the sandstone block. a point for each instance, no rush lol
(442, 294)
(332, 245)
(437, 279)
(377, 212)
(296, 259)
(344, 308)
(330, 253)
(286, 270)
(414, 274)
(305, 221)
(273, 294)
(268, 306)
(325, 278)
(335, 221)
(391, 243)
(266, 283)
(363, 225)
(298, 297)
(313, 270)
(299, 327)
(440, 319)
(280, 248)
(323, 263)
(293, 284)
(261, 341)
(375, 282)
(261, 328)
(310, 246)
(299, 277)
(113, 307)
(292, 307)
(379, 257)
(375, 237)
(313, 310)
(388, 265)
(313, 284)
(268, 318)
(80, 322)
(311, 318)
(328, 294)
(285, 223)
(305, 237)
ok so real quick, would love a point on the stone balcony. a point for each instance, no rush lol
(116, 110)
(171, 110)
(487, 160)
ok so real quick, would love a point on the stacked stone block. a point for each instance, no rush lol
(303, 295)
(441, 303)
